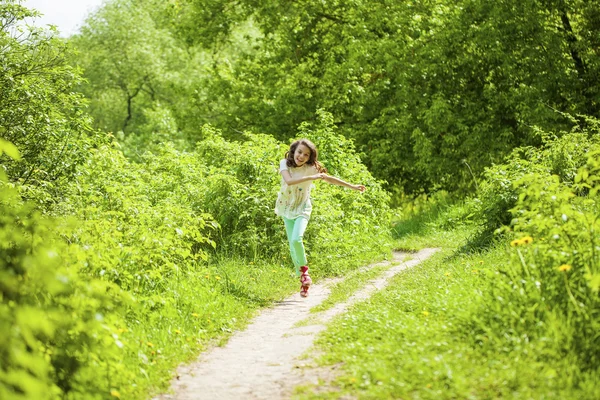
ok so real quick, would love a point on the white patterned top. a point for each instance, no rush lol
(293, 201)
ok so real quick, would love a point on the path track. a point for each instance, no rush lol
(262, 362)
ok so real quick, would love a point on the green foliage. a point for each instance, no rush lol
(460, 325)
(132, 64)
(58, 327)
(242, 183)
(560, 157)
(342, 219)
(40, 113)
(431, 93)
(557, 277)
(152, 228)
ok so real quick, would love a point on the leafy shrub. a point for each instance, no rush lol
(560, 271)
(498, 193)
(57, 326)
(240, 192)
(140, 223)
(548, 291)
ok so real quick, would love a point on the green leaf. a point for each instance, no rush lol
(9, 149)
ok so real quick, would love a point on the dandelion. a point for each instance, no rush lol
(515, 243)
(177, 331)
(195, 315)
(116, 394)
(425, 313)
(149, 344)
(218, 278)
(564, 268)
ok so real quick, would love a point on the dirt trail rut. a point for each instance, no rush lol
(262, 362)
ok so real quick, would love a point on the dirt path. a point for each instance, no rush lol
(263, 361)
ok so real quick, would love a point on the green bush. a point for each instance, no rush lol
(548, 291)
(58, 327)
(499, 192)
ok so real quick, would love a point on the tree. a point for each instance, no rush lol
(430, 91)
(40, 112)
(131, 63)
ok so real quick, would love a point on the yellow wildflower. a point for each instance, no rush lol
(564, 268)
(195, 315)
(218, 278)
(527, 239)
(425, 313)
(515, 243)
(150, 344)
(177, 331)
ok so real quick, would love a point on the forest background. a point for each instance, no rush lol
(139, 174)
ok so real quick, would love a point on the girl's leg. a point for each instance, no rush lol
(295, 231)
(296, 242)
(289, 230)
(297, 235)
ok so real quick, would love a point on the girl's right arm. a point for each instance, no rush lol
(287, 177)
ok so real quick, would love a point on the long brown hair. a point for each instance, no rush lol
(312, 159)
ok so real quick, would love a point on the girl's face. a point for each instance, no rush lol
(301, 155)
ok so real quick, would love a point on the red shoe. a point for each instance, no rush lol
(305, 281)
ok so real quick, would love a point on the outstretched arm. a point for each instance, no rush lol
(337, 181)
(287, 177)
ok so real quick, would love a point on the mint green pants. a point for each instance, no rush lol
(295, 231)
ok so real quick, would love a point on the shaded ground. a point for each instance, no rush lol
(264, 361)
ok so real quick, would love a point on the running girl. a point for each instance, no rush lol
(298, 170)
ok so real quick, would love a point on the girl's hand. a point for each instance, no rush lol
(318, 176)
(360, 188)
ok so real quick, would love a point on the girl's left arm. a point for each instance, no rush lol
(337, 181)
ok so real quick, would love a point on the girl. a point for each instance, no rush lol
(299, 168)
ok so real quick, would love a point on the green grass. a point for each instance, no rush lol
(353, 281)
(422, 337)
(198, 310)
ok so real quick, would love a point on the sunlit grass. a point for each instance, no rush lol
(353, 281)
(419, 338)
